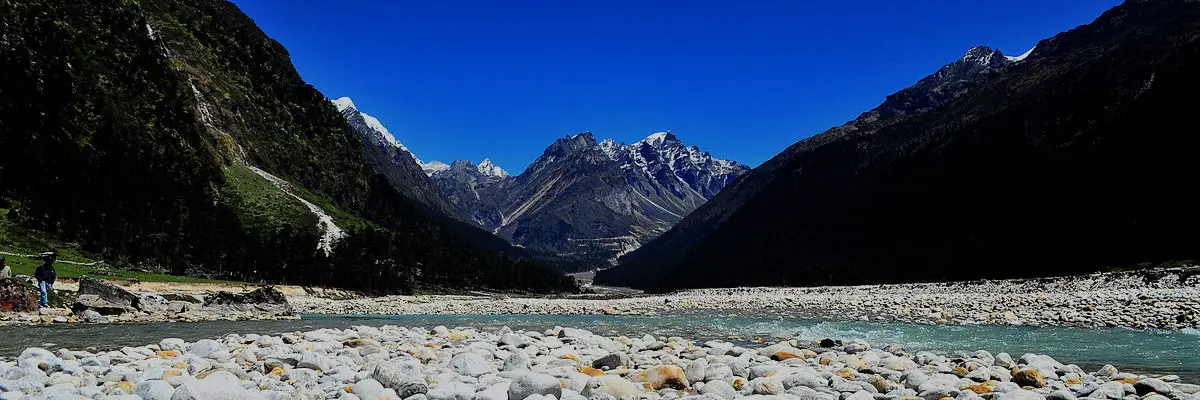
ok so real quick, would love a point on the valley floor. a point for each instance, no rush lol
(1160, 299)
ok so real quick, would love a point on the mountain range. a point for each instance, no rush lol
(1068, 159)
(580, 204)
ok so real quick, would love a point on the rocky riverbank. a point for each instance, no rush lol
(1160, 299)
(390, 362)
(98, 301)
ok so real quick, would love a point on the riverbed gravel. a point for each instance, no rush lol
(392, 362)
(1162, 299)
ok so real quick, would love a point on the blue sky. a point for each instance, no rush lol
(457, 79)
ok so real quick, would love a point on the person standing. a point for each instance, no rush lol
(46, 275)
(5, 271)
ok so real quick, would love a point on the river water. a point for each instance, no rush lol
(1152, 352)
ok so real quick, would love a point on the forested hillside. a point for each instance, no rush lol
(1073, 160)
(129, 127)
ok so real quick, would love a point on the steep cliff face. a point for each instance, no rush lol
(1062, 161)
(176, 134)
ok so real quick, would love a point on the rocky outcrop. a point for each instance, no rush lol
(16, 296)
(264, 300)
(104, 298)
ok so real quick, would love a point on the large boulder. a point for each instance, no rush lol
(103, 297)
(531, 384)
(16, 296)
(264, 300)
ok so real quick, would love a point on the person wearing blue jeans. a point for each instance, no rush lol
(46, 275)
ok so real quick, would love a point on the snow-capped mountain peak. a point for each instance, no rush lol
(433, 167)
(486, 167)
(344, 103)
(659, 139)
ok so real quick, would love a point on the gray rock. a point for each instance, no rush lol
(217, 386)
(611, 361)
(767, 386)
(151, 303)
(531, 384)
(1110, 390)
(1186, 388)
(1061, 394)
(694, 370)
(719, 389)
(617, 388)
(314, 361)
(516, 361)
(205, 347)
(494, 392)
(1151, 385)
(860, 395)
(398, 375)
(1021, 394)
(264, 300)
(803, 378)
(1004, 360)
(469, 364)
(172, 344)
(154, 390)
(92, 317)
(512, 339)
(451, 391)
(367, 389)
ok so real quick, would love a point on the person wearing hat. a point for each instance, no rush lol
(46, 275)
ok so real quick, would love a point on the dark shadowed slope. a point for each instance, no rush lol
(1078, 158)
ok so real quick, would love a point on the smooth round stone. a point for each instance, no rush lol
(617, 387)
(367, 389)
(531, 384)
(469, 364)
(516, 361)
(451, 391)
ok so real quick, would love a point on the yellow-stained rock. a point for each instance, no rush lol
(570, 356)
(172, 372)
(1128, 380)
(738, 382)
(126, 385)
(991, 384)
(167, 353)
(589, 371)
(844, 373)
(783, 355)
(1029, 377)
(1074, 382)
(960, 372)
(668, 376)
(979, 389)
(277, 371)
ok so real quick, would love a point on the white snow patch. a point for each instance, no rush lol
(150, 31)
(330, 232)
(1021, 57)
(486, 167)
(433, 167)
(342, 103)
